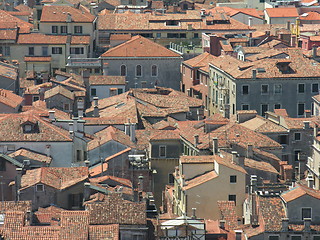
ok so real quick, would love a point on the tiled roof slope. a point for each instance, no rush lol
(59, 90)
(116, 210)
(5, 18)
(228, 213)
(139, 46)
(58, 178)
(200, 61)
(40, 38)
(9, 98)
(98, 232)
(263, 125)
(282, 12)
(28, 154)
(23, 206)
(60, 14)
(11, 129)
(298, 191)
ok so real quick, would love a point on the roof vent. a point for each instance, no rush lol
(54, 12)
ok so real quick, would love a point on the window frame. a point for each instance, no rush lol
(306, 208)
(38, 189)
(93, 90)
(56, 31)
(56, 50)
(233, 179)
(297, 134)
(137, 70)
(78, 29)
(63, 29)
(298, 109)
(248, 90)
(262, 92)
(31, 51)
(242, 106)
(231, 196)
(165, 151)
(264, 113)
(152, 71)
(298, 87)
(274, 106)
(275, 92)
(125, 70)
(317, 92)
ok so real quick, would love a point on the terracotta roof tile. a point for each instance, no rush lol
(108, 134)
(228, 213)
(197, 159)
(299, 191)
(59, 90)
(259, 165)
(310, 16)
(9, 98)
(40, 38)
(37, 59)
(139, 46)
(60, 14)
(99, 232)
(77, 40)
(11, 129)
(263, 125)
(28, 154)
(282, 12)
(191, 183)
(116, 210)
(8, 34)
(23, 206)
(114, 37)
(6, 18)
(58, 178)
(121, 181)
(199, 61)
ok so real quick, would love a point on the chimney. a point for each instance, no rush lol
(86, 192)
(310, 181)
(51, 115)
(194, 213)
(18, 183)
(48, 150)
(95, 107)
(250, 21)
(196, 140)
(80, 106)
(235, 159)
(133, 132)
(238, 234)
(75, 124)
(127, 128)
(222, 224)
(314, 51)
(285, 224)
(80, 124)
(87, 163)
(307, 224)
(214, 146)
(315, 131)
(288, 25)
(253, 184)
(71, 129)
(306, 125)
(215, 47)
(254, 73)
(307, 113)
(250, 151)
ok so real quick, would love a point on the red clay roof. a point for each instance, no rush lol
(39, 38)
(284, 12)
(139, 46)
(37, 59)
(60, 14)
(299, 191)
(9, 98)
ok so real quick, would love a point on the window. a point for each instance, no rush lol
(171, 178)
(96, 70)
(77, 29)
(123, 70)
(295, 237)
(301, 87)
(277, 106)
(297, 136)
(264, 109)
(196, 35)
(76, 50)
(315, 88)
(162, 151)
(5, 51)
(283, 139)
(300, 109)
(56, 50)
(297, 155)
(31, 51)
(245, 107)
(306, 213)
(316, 237)
(45, 51)
(277, 88)
(75, 201)
(245, 89)
(158, 35)
(39, 188)
(79, 155)
(27, 128)
(273, 237)
(93, 92)
(138, 71)
(66, 107)
(232, 198)
(264, 89)
(54, 29)
(120, 91)
(233, 179)
(2, 164)
(154, 71)
(35, 98)
(64, 29)
(137, 237)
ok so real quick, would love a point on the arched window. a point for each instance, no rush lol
(154, 70)
(138, 71)
(123, 70)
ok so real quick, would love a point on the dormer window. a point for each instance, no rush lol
(27, 128)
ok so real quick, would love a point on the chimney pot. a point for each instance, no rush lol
(51, 114)
(254, 73)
